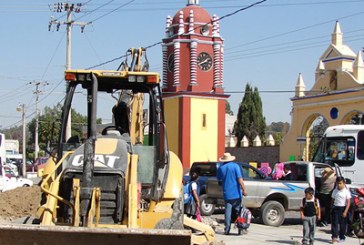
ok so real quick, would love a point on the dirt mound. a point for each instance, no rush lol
(20, 202)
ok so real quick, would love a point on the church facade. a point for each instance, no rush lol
(337, 96)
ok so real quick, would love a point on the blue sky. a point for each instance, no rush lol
(267, 45)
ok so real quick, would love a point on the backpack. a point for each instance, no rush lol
(187, 190)
(244, 218)
(315, 204)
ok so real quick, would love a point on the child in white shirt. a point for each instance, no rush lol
(341, 203)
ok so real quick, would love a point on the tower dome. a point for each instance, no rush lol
(200, 15)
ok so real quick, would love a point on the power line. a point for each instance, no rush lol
(59, 83)
(30, 7)
(13, 124)
(157, 43)
(14, 94)
(156, 8)
(296, 30)
(112, 11)
(54, 53)
(90, 12)
(291, 42)
(279, 51)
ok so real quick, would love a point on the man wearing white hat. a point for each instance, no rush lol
(230, 176)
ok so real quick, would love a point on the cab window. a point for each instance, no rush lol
(250, 173)
(205, 169)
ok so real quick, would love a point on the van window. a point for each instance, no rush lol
(360, 150)
(338, 150)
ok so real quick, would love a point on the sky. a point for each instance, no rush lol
(267, 46)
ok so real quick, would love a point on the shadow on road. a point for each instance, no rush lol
(280, 241)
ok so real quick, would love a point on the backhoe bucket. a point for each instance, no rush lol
(60, 235)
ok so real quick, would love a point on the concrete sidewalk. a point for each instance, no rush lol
(285, 234)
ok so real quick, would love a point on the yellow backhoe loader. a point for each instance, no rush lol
(121, 184)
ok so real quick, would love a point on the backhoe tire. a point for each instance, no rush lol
(205, 208)
(272, 213)
(27, 220)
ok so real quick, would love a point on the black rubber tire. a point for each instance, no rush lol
(358, 231)
(206, 209)
(25, 185)
(272, 213)
(27, 220)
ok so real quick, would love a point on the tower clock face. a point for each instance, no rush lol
(205, 30)
(204, 61)
(170, 62)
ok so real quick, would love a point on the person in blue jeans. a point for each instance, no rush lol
(341, 204)
(230, 176)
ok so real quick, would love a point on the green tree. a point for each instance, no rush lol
(250, 120)
(317, 130)
(228, 109)
(49, 126)
(278, 131)
(259, 120)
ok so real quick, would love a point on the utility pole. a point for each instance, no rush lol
(37, 92)
(69, 8)
(21, 108)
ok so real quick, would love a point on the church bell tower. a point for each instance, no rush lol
(193, 92)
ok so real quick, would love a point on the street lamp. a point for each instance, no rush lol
(21, 108)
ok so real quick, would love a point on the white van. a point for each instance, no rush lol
(344, 145)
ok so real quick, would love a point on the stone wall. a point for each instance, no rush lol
(255, 154)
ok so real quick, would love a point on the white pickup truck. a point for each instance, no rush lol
(9, 181)
(269, 199)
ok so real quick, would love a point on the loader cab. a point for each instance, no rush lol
(137, 128)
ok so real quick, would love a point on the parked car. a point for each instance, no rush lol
(13, 167)
(39, 163)
(207, 170)
(9, 181)
(8, 172)
(269, 199)
(30, 166)
(12, 182)
(3, 181)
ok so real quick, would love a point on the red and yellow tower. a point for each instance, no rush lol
(194, 99)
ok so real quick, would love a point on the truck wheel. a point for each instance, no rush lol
(206, 208)
(272, 213)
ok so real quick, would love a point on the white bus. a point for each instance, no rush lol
(344, 145)
(2, 149)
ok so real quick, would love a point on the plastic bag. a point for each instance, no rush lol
(198, 215)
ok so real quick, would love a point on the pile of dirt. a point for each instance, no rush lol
(20, 202)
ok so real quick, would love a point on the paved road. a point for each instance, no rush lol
(289, 233)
